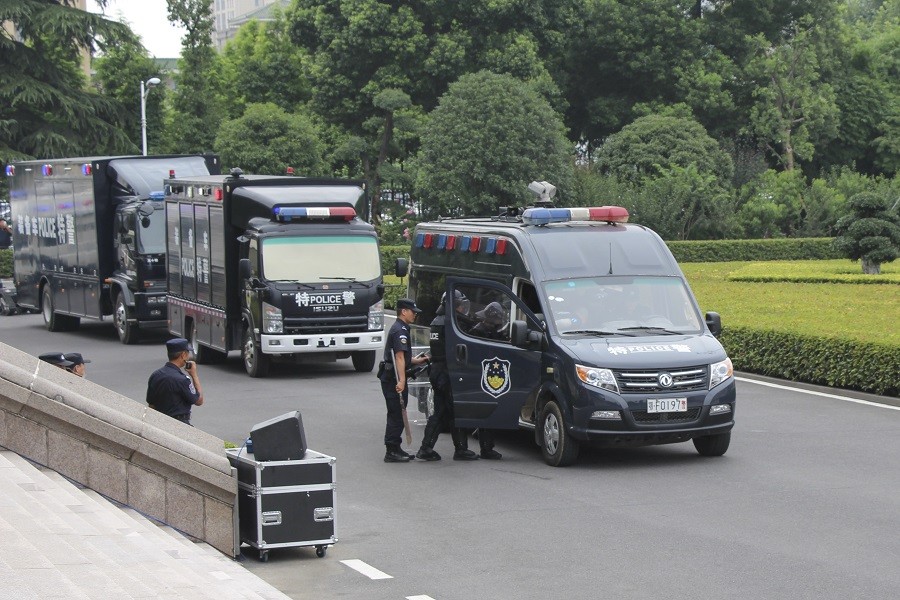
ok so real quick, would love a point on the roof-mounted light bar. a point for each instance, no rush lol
(544, 216)
(289, 213)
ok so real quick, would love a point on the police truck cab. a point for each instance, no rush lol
(600, 340)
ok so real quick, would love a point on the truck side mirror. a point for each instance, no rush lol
(401, 267)
(244, 270)
(379, 289)
(714, 322)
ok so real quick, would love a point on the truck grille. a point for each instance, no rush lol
(641, 381)
(315, 325)
(642, 416)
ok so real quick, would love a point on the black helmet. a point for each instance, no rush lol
(460, 302)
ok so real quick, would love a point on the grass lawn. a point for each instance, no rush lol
(867, 313)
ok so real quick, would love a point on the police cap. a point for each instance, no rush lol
(76, 358)
(492, 313)
(407, 304)
(56, 358)
(178, 345)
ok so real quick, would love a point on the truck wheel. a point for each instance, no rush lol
(557, 446)
(5, 308)
(203, 354)
(713, 445)
(51, 319)
(364, 362)
(128, 332)
(255, 362)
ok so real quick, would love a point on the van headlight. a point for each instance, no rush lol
(376, 316)
(596, 377)
(272, 322)
(719, 372)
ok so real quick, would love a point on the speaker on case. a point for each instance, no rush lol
(281, 438)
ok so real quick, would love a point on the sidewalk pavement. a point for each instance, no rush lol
(58, 540)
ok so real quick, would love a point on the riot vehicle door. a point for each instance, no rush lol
(493, 345)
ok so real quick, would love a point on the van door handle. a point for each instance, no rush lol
(461, 353)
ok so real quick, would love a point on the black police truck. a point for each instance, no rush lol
(576, 325)
(89, 238)
(277, 267)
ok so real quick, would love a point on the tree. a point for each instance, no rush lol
(195, 116)
(793, 109)
(267, 140)
(488, 138)
(46, 108)
(118, 74)
(655, 143)
(871, 234)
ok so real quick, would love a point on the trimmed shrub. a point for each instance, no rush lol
(754, 250)
(826, 361)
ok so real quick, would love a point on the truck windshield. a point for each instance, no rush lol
(152, 239)
(622, 306)
(321, 259)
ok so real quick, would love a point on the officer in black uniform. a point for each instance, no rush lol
(443, 393)
(175, 387)
(392, 373)
(493, 327)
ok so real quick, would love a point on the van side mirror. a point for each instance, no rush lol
(519, 334)
(714, 322)
(244, 270)
(401, 267)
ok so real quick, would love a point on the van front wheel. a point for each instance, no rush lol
(713, 445)
(557, 446)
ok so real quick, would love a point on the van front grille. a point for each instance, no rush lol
(642, 381)
(642, 416)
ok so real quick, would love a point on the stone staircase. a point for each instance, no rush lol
(58, 540)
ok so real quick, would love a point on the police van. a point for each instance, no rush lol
(577, 325)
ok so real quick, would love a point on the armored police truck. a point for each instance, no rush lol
(89, 238)
(278, 267)
(576, 325)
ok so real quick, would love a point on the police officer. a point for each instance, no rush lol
(77, 361)
(493, 327)
(392, 373)
(175, 387)
(58, 359)
(443, 393)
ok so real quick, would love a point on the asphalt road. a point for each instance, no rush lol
(805, 504)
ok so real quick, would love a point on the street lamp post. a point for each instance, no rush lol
(144, 91)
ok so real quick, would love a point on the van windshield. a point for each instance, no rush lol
(622, 306)
(321, 259)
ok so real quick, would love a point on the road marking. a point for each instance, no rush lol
(419, 598)
(367, 570)
(823, 394)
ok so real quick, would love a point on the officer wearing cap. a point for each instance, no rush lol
(392, 373)
(77, 361)
(56, 358)
(443, 392)
(175, 387)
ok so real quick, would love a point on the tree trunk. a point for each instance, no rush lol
(871, 268)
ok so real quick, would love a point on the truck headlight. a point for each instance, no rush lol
(719, 372)
(376, 316)
(272, 322)
(596, 377)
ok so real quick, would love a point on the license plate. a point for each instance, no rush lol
(665, 405)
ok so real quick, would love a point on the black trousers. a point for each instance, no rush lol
(442, 417)
(393, 429)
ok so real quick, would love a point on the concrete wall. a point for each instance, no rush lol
(118, 447)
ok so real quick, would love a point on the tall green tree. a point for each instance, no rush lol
(46, 107)
(489, 137)
(117, 75)
(194, 118)
(266, 139)
(793, 108)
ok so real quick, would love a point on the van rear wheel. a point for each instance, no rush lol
(557, 446)
(255, 362)
(713, 445)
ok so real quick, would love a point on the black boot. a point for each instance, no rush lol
(490, 454)
(395, 455)
(463, 453)
(426, 453)
(461, 443)
(486, 441)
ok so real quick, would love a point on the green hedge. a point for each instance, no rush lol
(754, 250)
(826, 361)
(6, 266)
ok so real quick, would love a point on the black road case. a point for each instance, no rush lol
(285, 503)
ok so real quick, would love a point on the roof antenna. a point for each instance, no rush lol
(610, 259)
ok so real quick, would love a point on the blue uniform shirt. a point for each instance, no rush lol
(397, 341)
(171, 391)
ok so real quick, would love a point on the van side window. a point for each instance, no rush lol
(487, 314)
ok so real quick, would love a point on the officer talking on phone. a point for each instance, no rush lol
(175, 387)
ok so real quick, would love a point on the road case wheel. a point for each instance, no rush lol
(320, 551)
(264, 556)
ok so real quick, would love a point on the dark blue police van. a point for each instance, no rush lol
(576, 324)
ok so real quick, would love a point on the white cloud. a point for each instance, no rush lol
(149, 20)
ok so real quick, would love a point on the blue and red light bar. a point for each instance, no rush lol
(47, 170)
(86, 169)
(445, 242)
(544, 216)
(289, 213)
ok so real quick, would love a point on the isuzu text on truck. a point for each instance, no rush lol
(595, 339)
(89, 238)
(275, 267)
